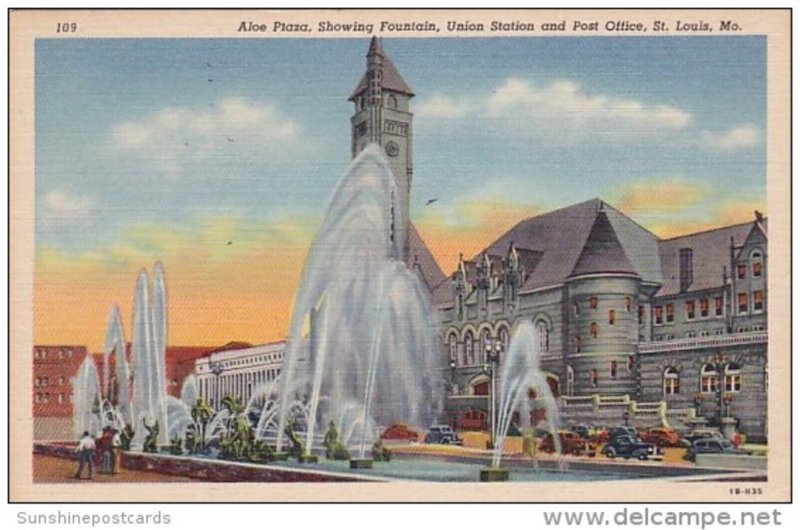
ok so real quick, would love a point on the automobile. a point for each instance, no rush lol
(598, 434)
(442, 434)
(662, 437)
(699, 434)
(571, 443)
(613, 432)
(711, 445)
(400, 431)
(630, 447)
(580, 430)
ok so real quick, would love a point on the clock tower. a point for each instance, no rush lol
(382, 116)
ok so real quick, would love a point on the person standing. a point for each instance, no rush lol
(85, 452)
(104, 446)
(116, 451)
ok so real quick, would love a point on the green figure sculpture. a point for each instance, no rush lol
(126, 437)
(333, 449)
(150, 444)
(379, 452)
(297, 445)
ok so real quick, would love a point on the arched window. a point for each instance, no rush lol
(577, 308)
(593, 377)
(593, 302)
(502, 334)
(671, 381)
(469, 348)
(486, 340)
(593, 330)
(613, 369)
(733, 378)
(708, 379)
(544, 336)
(756, 263)
(452, 347)
(612, 316)
(570, 380)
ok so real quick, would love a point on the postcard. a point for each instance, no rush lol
(496, 255)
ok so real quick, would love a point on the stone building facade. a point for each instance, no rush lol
(670, 328)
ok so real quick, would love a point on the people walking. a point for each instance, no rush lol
(85, 452)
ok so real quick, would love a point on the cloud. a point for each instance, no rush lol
(741, 137)
(446, 107)
(62, 212)
(561, 106)
(176, 139)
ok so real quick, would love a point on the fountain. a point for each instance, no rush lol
(362, 332)
(520, 373)
(148, 351)
(115, 345)
(87, 409)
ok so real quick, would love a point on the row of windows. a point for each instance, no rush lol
(44, 397)
(755, 266)
(45, 381)
(701, 308)
(594, 374)
(41, 353)
(469, 355)
(743, 302)
(593, 305)
(252, 360)
(709, 379)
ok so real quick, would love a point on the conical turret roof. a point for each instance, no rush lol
(602, 252)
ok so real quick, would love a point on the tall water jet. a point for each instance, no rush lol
(520, 374)
(115, 345)
(147, 356)
(362, 329)
(86, 415)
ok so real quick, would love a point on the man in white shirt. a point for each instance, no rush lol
(85, 452)
(116, 449)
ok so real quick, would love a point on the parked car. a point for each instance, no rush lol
(442, 434)
(662, 437)
(613, 432)
(400, 431)
(630, 447)
(716, 446)
(580, 430)
(699, 434)
(571, 444)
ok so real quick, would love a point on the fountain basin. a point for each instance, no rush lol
(281, 456)
(308, 459)
(360, 463)
(494, 474)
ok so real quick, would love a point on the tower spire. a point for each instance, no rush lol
(383, 116)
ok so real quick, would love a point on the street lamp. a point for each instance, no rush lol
(493, 356)
(720, 361)
(217, 369)
(626, 416)
(452, 365)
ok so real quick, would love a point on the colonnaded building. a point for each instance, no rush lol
(633, 327)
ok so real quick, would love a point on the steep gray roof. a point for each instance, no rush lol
(710, 253)
(391, 81)
(602, 252)
(418, 251)
(560, 236)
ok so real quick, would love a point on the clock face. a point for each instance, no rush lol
(392, 149)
